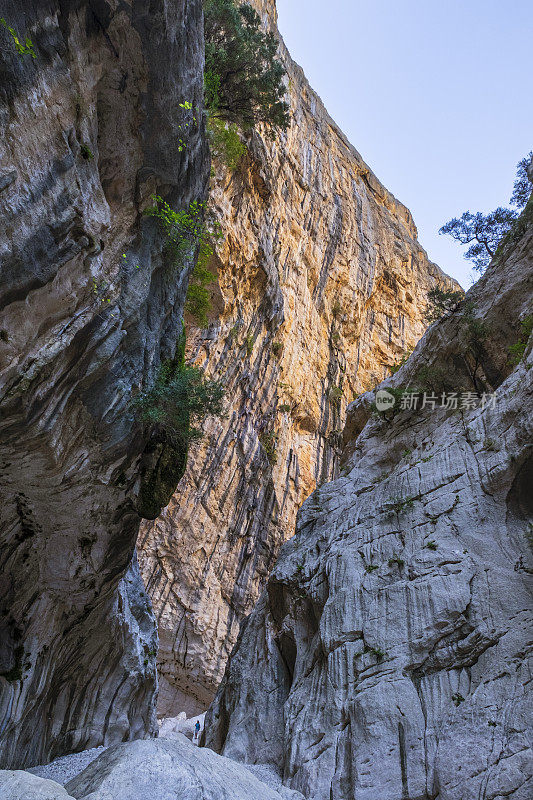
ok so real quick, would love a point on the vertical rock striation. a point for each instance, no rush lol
(321, 286)
(89, 309)
(390, 654)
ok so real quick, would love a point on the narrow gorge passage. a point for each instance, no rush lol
(266, 527)
(320, 287)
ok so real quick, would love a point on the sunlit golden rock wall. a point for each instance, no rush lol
(321, 287)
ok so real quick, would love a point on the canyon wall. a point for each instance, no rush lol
(321, 287)
(390, 654)
(90, 123)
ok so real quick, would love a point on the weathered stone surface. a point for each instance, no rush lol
(321, 287)
(88, 130)
(20, 785)
(169, 770)
(390, 655)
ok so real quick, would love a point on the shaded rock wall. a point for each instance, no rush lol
(321, 286)
(389, 655)
(89, 129)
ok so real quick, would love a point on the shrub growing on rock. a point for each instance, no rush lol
(441, 302)
(186, 233)
(431, 377)
(198, 299)
(378, 653)
(86, 152)
(403, 360)
(517, 350)
(225, 142)
(388, 413)
(335, 394)
(269, 443)
(23, 48)
(243, 76)
(179, 400)
(249, 343)
(185, 230)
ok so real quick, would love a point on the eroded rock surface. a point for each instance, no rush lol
(321, 286)
(88, 130)
(165, 769)
(390, 654)
(169, 769)
(20, 785)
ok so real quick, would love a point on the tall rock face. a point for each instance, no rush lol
(388, 656)
(90, 121)
(321, 286)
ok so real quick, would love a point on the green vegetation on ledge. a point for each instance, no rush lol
(179, 400)
(243, 77)
(441, 302)
(173, 409)
(517, 350)
(224, 142)
(185, 231)
(186, 234)
(23, 49)
(269, 443)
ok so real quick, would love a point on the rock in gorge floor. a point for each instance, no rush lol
(155, 769)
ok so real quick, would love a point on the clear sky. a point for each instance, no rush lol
(437, 96)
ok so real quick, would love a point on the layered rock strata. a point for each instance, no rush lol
(321, 286)
(390, 654)
(90, 120)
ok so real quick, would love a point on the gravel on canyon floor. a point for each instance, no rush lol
(63, 769)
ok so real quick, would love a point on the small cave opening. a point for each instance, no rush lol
(520, 496)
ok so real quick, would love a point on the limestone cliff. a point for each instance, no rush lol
(321, 287)
(390, 655)
(89, 125)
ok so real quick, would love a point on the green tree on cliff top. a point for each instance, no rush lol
(243, 76)
(484, 232)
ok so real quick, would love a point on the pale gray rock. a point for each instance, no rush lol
(201, 763)
(390, 655)
(168, 770)
(169, 727)
(272, 777)
(89, 129)
(21, 785)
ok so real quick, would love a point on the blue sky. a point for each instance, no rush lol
(436, 96)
